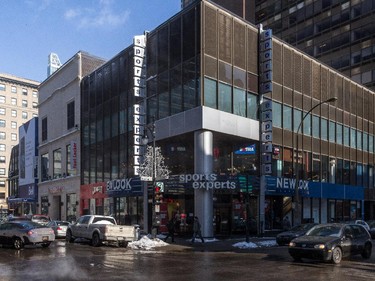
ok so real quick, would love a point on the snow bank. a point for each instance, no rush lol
(252, 245)
(145, 243)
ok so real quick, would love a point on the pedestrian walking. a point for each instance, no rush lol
(196, 230)
(170, 227)
(286, 223)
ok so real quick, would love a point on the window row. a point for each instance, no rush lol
(230, 99)
(13, 136)
(14, 90)
(289, 118)
(13, 101)
(58, 169)
(322, 168)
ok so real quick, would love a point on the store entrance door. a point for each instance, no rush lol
(222, 220)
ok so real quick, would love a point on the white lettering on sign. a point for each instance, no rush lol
(206, 181)
(119, 185)
(286, 183)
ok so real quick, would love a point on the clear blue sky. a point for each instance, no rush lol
(31, 29)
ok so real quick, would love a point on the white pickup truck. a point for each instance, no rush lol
(99, 229)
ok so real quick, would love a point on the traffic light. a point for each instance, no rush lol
(158, 193)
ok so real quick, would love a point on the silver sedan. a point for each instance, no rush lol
(21, 233)
(59, 227)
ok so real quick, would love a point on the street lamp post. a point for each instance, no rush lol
(151, 129)
(297, 209)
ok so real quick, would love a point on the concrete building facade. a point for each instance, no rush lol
(18, 104)
(59, 138)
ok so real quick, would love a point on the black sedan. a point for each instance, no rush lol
(285, 237)
(332, 242)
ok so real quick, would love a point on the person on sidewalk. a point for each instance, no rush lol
(170, 227)
(196, 230)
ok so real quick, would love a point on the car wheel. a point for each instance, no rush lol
(366, 254)
(46, 245)
(69, 237)
(336, 255)
(96, 240)
(17, 243)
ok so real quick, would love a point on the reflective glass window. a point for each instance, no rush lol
(210, 88)
(297, 117)
(276, 115)
(287, 117)
(324, 129)
(252, 106)
(239, 102)
(353, 138)
(332, 131)
(346, 136)
(225, 97)
(316, 126)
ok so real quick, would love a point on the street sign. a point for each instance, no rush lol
(146, 178)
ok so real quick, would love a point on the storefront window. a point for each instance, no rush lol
(288, 162)
(71, 207)
(332, 170)
(44, 205)
(325, 171)
(316, 168)
(353, 173)
(346, 170)
(359, 174)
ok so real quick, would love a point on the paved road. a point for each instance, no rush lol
(178, 262)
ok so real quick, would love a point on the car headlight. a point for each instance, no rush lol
(292, 244)
(319, 246)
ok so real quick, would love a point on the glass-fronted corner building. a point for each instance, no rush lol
(227, 129)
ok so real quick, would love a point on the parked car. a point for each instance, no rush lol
(332, 242)
(20, 233)
(371, 225)
(99, 229)
(363, 223)
(42, 219)
(285, 237)
(59, 227)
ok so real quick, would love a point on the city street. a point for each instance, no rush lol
(180, 261)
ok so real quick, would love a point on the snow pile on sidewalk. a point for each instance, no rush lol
(252, 245)
(145, 243)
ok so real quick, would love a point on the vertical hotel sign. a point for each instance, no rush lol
(265, 53)
(139, 75)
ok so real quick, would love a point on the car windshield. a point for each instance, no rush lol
(302, 227)
(329, 230)
(30, 224)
